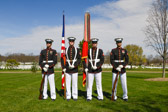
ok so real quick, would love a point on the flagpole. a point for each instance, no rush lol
(85, 45)
(63, 57)
(88, 39)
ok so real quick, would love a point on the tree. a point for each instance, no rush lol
(81, 45)
(135, 54)
(157, 60)
(34, 67)
(0, 62)
(151, 60)
(58, 56)
(2, 58)
(11, 64)
(19, 57)
(156, 30)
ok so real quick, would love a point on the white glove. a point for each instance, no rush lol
(46, 66)
(118, 69)
(86, 70)
(72, 66)
(120, 66)
(64, 70)
(94, 67)
(45, 69)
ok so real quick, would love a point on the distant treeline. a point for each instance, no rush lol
(20, 57)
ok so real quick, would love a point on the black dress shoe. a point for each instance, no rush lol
(68, 99)
(88, 100)
(53, 99)
(75, 99)
(125, 100)
(100, 99)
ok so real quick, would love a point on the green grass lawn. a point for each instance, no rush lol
(19, 93)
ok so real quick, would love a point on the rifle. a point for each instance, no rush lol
(41, 86)
(42, 83)
(114, 85)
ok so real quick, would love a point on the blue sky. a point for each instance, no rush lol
(24, 24)
(18, 17)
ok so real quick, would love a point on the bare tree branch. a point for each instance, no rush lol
(157, 29)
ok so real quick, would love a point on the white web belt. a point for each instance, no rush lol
(49, 61)
(118, 60)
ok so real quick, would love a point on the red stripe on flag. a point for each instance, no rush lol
(63, 41)
(63, 81)
(63, 48)
(62, 55)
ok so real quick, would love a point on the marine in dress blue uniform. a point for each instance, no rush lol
(119, 59)
(94, 70)
(47, 61)
(73, 59)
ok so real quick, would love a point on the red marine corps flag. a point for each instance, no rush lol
(63, 51)
(85, 44)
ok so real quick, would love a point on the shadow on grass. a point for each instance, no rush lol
(105, 94)
(108, 95)
(80, 93)
(60, 92)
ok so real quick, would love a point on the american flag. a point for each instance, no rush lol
(63, 50)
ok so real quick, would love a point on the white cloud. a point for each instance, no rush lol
(34, 42)
(123, 18)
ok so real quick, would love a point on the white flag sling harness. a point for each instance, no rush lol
(74, 60)
(96, 60)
